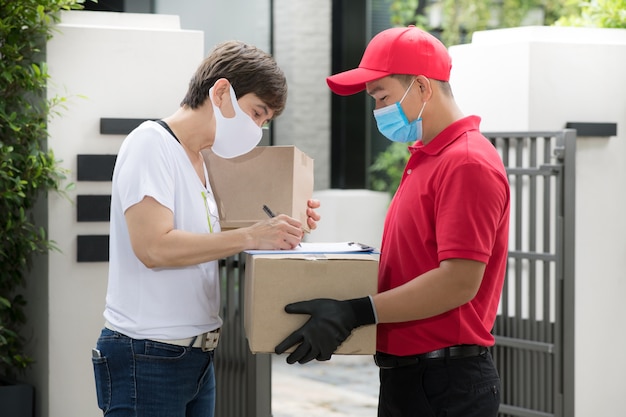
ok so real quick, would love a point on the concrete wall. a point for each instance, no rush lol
(243, 20)
(107, 65)
(351, 216)
(302, 42)
(540, 78)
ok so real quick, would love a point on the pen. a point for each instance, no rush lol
(271, 214)
(268, 211)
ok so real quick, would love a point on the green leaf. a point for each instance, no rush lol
(27, 169)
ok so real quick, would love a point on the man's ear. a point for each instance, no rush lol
(221, 92)
(423, 84)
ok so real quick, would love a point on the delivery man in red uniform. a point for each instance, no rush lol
(444, 247)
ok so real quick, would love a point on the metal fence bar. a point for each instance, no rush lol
(547, 396)
(532, 255)
(536, 371)
(529, 345)
(518, 364)
(565, 276)
(509, 410)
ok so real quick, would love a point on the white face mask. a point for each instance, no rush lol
(236, 135)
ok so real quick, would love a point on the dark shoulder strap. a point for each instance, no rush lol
(167, 127)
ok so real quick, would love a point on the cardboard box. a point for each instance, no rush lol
(279, 176)
(274, 280)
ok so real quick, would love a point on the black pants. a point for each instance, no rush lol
(463, 387)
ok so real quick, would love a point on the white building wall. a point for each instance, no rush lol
(108, 65)
(540, 78)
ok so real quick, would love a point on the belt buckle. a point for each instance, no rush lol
(384, 361)
(208, 341)
(391, 362)
(380, 363)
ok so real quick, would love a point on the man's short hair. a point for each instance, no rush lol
(247, 68)
(405, 79)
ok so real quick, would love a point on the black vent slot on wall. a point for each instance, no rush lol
(95, 167)
(111, 126)
(93, 208)
(92, 248)
(593, 129)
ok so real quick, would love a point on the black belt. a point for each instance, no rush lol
(387, 361)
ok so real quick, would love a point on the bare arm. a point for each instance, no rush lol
(454, 283)
(157, 244)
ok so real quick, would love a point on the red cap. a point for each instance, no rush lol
(406, 50)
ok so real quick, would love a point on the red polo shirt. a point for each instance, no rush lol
(452, 202)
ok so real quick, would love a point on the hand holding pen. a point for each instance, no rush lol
(271, 215)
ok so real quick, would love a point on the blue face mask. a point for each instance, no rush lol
(395, 126)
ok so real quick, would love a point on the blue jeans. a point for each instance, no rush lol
(143, 378)
(464, 387)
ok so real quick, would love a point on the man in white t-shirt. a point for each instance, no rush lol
(154, 356)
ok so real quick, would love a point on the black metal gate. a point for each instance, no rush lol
(243, 380)
(534, 328)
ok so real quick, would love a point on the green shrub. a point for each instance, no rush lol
(27, 168)
(597, 13)
(388, 167)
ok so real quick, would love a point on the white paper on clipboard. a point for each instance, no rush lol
(322, 247)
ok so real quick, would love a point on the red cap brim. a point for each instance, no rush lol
(352, 81)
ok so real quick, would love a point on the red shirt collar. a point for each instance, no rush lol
(447, 136)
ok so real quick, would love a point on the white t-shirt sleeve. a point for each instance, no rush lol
(145, 170)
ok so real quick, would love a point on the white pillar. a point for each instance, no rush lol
(107, 65)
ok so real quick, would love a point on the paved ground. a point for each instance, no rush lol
(345, 386)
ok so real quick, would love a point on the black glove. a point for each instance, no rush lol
(330, 324)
